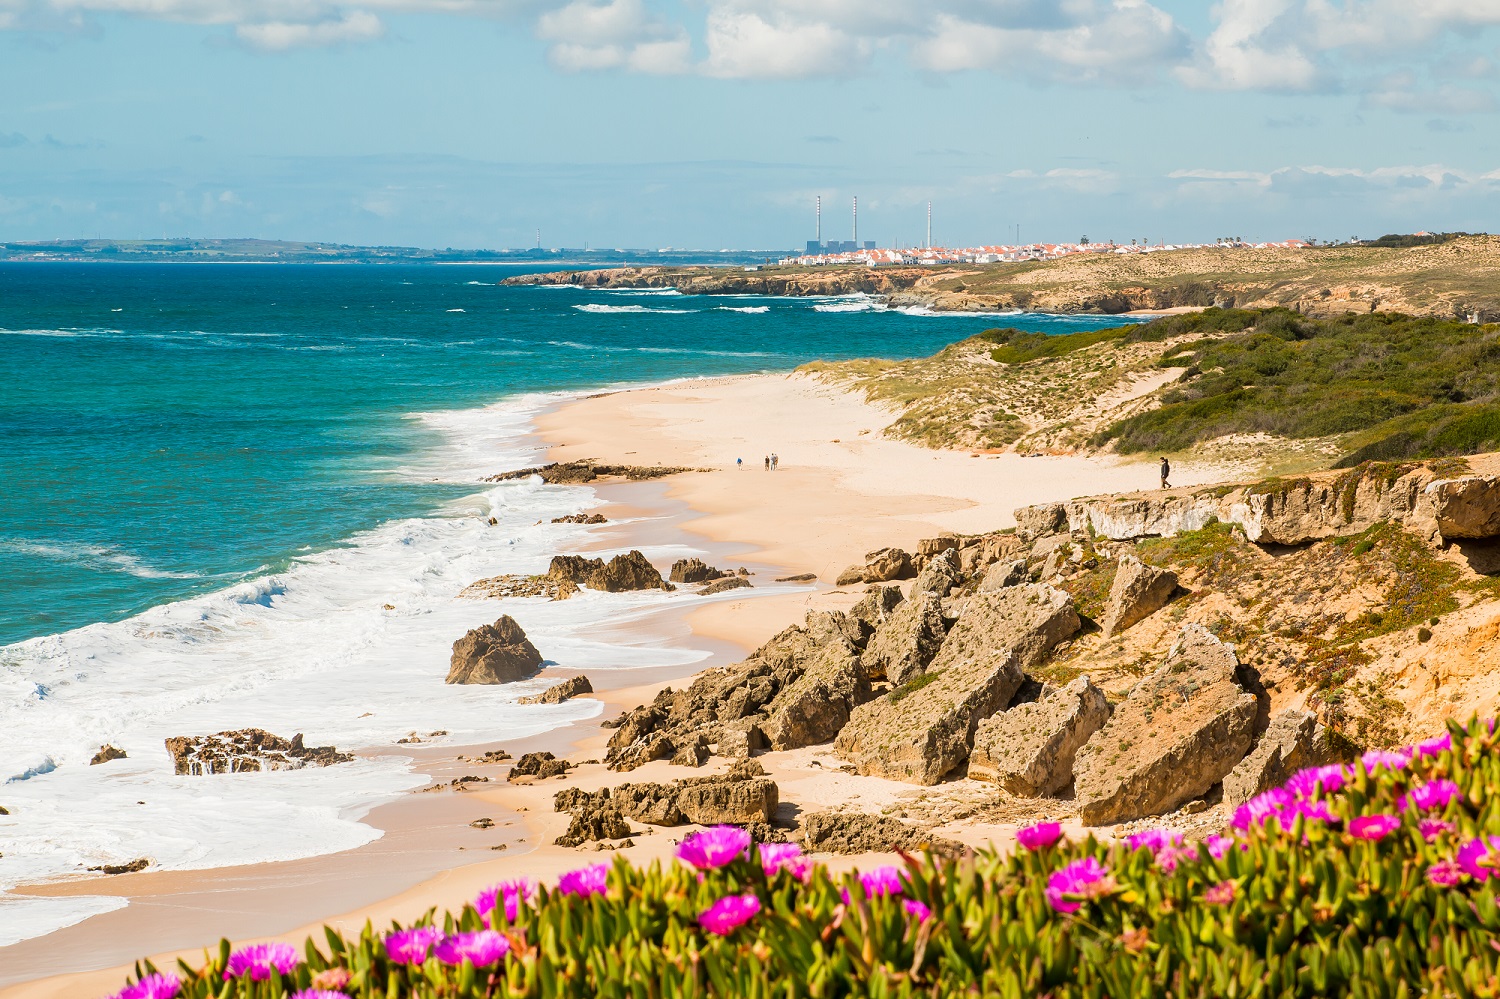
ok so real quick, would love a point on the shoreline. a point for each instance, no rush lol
(832, 499)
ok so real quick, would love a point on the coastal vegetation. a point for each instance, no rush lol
(1376, 878)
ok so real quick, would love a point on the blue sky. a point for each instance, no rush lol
(713, 123)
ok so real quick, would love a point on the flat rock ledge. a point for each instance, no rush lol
(586, 470)
(247, 750)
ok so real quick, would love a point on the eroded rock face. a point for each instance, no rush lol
(939, 575)
(1038, 521)
(921, 731)
(571, 687)
(1293, 740)
(247, 750)
(877, 604)
(1029, 749)
(1467, 507)
(587, 470)
(1179, 732)
(741, 796)
(907, 641)
(693, 570)
(1002, 574)
(1139, 590)
(494, 653)
(880, 566)
(856, 832)
(815, 706)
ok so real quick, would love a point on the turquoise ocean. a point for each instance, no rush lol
(237, 495)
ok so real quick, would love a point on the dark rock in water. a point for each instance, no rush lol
(245, 751)
(801, 577)
(4, 810)
(693, 570)
(630, 571)
(538, 765)
(494, 653)
(571, 687)
(105, 754)
(138, 864)
(727, 583)
(581, 518)
(482, 824)
(586, 470)
(856, 832)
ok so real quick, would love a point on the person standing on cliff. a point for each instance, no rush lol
(1166, 470)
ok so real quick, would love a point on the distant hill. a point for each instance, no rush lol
(293, 251)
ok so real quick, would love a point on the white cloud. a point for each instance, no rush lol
(617, 34)
(356, 26)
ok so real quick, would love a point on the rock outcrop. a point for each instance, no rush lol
(630, 571)
(741, 796)
(907, 641)
(1002, 574)
(494, 653)
(876, 605)
(924, 729)
(581, 518)
(107, 753)
(880, 566)
(573, 686)
(940, 574)
(246, 750)
(693, 570)
(725, 584)
(815, 706)
(857, 832)
(1467, 507)
(538, 765)
(1180, 731)
(1138, 591)
(1029, 749)
(1293, 740)
(586, 470)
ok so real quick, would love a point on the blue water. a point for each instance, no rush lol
(167, 430)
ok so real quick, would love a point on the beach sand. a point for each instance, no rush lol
(841, 490)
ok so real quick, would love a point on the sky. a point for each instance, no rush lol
(714, 123)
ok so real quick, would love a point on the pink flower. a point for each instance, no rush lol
(1434, 747)
(258, 961)
(481, 948)
(1219, 894)
(1039, 836)
(777, 857)
(714, 848)
(916, 910)
(1310, 782)
(1168, 857)
(331, 979)
(410, 946)
(1218, 845)
(729, 913)
(592, 880)
(1432, 796)
(1312, 811)
(155, 986)
(1154, 839)
(882, 881)
(318, 994)
(1444, 874)
(1474, 857)
(514, 894)
(1394, 759)
(1068, 886)
(1431, 829)
(1374, 827)
(1255, 811)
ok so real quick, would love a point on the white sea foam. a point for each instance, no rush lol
(752, 309)
(456, 310)
(617, 309)
(22, 917)
(859, 302)
(925, 312)
(349, 646)
(102, 558)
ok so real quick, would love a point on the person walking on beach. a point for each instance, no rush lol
(1166, 470)
(739, 464)
(768, 463)
(775, 460)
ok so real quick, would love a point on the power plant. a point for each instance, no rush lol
(816, 246)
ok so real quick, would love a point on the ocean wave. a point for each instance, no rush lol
(849, 307)
(23, 917)
(456, 310)
(751, 309)
(615, 309)
(707, 353)
(925, 312)
(100, 558)
(639, 291)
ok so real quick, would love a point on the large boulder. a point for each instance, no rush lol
(494, 653)
(1179, 732)
(907, 641)
(693, 570)
(1293, 740)
(922, 730)
(1029, 749)
(1002, 574)
(939, 575)
(1467, 507)
(858, 832)
(876, 605)
(742, 795)
(724, 584)
(1038, 521)
(1139, 590)
(880, 566)
(814, 707)
(630, 571)
(569, 688)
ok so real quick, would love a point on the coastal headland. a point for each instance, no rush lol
(1458, 278)
(921, 603)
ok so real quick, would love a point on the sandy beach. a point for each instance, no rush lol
(840, 490)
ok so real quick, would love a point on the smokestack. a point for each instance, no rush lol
(820, 219)
(856, 223)
(929, 225)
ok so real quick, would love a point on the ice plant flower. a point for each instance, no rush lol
(1374, 827)
(882, 881)
(1068, 886)
(1434, 747)
(1154, 839)
(729, 913)
(1039, 836)
(776, 857)
(1218, 845)
(1474, 857)
(318, 994)
(1431, 829)
(1259, 808)
(513, 893)
(481, 948)
(154, 986)
(921, 913)
(331, 979)
(1168, 857)
(589, 881)
(1310, 782)
(1219, 894)
(1444, 873)
(714, 848)
(257, 961)
(1393, 759)
(1432, 796)
(411, 946)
